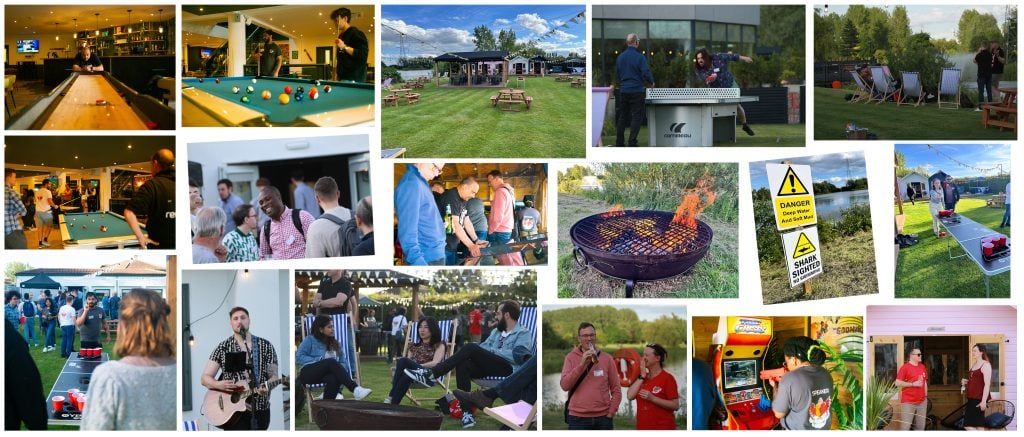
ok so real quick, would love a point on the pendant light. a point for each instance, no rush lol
(56, 35)
(75, 35)
(161, 11)
(129, 21)
(97, 24)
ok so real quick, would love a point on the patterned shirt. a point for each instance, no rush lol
(13, 210)
(286, 242)
(719, 67)
(264, 366)
(423, 353)
(241, 247)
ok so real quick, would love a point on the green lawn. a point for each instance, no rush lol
(890, 122)
(925, 270)
(377, 376)
(451, 122)
(767, 135)
(714, 276)
(849, 270)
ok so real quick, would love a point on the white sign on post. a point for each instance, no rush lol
(792, 193)
(803, 255)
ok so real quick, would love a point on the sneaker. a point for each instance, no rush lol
(467, 420)
(748, 130)
(422, 376)
(45, 244)
(476, 398)
(977, 109)
(361, 392)
(387, 400)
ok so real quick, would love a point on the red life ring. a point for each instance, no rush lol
(627, 364)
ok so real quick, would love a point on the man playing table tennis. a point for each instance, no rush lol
(713, 71)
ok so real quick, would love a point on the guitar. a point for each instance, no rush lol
(220, 407)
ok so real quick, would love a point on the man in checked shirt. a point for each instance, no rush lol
(284, 235)
(14, 210)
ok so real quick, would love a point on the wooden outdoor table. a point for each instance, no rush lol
(508, 99)
(1002, 114)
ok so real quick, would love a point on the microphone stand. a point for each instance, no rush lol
(252, 380)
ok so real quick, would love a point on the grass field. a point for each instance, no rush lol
(377, 376)
(768, 135)
(849, 270)
(460, 123)
(714, 276)
(890, 122)
(925, 270)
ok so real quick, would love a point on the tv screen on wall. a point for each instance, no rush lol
(28, 46)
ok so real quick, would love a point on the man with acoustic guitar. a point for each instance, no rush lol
(248, 371)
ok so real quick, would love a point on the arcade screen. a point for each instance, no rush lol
(740, 373)
(205, 53)
(28, 46)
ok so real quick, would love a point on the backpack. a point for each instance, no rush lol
(28, 309)
(348, 234)
(296, 220)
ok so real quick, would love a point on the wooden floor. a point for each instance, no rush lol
(33, 239)
(25, 92)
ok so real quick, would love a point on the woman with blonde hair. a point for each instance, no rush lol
(137, 392)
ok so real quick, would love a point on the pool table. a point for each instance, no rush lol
(347, 104)
(117, 236)
(73, 105)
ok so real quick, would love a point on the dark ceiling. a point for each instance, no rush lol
(218, 9)
(82, 152)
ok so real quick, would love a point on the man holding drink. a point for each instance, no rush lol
(592, 382)
(91, 323)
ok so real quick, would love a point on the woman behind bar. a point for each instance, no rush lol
(138, 392)
(424, 354)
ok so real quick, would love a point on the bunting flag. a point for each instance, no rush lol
(998, 167)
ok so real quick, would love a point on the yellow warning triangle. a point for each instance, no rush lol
(803, 246)
(791, 185)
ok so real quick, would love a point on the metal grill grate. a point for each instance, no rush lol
(692, 93)
(640, 233)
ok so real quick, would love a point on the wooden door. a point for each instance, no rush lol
(996, 350)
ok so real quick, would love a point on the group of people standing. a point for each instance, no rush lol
(991, 59)
(68, 311)
(265, 228)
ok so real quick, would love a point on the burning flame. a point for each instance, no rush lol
(614, 211)
(695, 200)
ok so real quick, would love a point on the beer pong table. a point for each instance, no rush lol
(968, 233)
(692, 117)
(75, 375)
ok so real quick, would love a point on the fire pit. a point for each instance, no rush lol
(639, 245)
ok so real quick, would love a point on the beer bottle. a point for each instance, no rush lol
(448, 219)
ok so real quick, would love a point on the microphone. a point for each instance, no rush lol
(242, 331)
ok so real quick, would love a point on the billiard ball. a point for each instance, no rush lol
(317, 82)
(234, 89)
(314, 94)
(244, 99)
(287, 90)
(298, 97)
(327, 88)
(217, 80)
(300, 90)
(249, 89)
(103, 229)
(94, 220)
(266, 94)
(83, 227)
(254, 80)
(200, 80)
(283, 98)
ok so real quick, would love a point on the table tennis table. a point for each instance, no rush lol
(968, 233)
(76, 374)
(692, 117)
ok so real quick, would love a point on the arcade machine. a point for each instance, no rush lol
(737, 359)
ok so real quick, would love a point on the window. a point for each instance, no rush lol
(885, 360)
(702, 34)
(671, 38)
(993, 357)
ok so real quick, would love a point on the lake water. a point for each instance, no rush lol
(830, 206)
(554, 396)
(412, 74)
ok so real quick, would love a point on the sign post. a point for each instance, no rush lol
(792, 191)
(803, 255)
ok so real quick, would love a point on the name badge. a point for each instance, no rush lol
(291, 239)
(599, 372)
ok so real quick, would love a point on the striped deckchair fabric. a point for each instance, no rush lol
(448, 329)
(863, 92)
(884, 88)
(912, 92)
(344, 332)
(949, 86)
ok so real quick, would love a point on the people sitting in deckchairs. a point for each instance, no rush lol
(424, 354)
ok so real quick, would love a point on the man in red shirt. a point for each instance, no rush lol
(912, 379)
(655, 391)
(474, 325)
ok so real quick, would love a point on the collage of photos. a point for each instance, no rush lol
(528, 276)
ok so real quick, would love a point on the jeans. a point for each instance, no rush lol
(15, 240)
(1006, 216)
(508, 259)
(30, 331)
(400, 382)
(484, 260)
(329, 372)
(451, 258)
(629, 111)
(521, 385)
(67, 340)
(51, 339)
(472, 361)
(950, 205)
(600, 423)
(984, 86)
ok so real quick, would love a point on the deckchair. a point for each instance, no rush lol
(863, 91)
(412, 335)
(527, 318)
(518, 416)
(911, 89)
(345, 333)
(949, 85)
(884, 88)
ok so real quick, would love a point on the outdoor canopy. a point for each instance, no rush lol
(467, 61)
(41, 282)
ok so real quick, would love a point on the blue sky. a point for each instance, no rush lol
(976, 155)
(449, 28)
(831, 167)
(940, 21)
(644, 312)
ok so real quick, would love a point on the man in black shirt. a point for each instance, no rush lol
(364, 220)
(454, 200)
(984, 60)
(86, 60)
(352, 48)
(269, 56)
(998, 61)
(155, 200)
(334, 294)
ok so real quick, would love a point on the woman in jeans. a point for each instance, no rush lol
(424, 354)
(319, 358)
(48, 318)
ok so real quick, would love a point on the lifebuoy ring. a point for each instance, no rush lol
(627, 364)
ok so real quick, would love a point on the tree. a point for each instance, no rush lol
(975, 28)
(945, 45)
(828, 31)
(850, 40)
(900, 34)
(483, 38)
(667, 331)
(13, 268)
(507, 40)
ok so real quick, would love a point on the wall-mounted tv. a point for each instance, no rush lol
(28, 46)
(205, 53)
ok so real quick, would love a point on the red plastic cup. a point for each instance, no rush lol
(1002, 241)
(94, 352)
(58, 403)
(987, 249)
(81, 402)
(987, 239)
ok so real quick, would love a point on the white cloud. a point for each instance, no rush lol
(439, 40)
(533, 22)
(502, 22)
(836, 179)
(562, 35)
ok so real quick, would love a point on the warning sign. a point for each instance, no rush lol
(792, 195)
(804, 260)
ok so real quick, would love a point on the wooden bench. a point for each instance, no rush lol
(390, 100)
(529, 101)
(510, 104)
(494, 101)
(997, 201)
(412, 98)
(576, 83)
(999, 116)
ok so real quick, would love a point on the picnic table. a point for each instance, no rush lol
(1002, 114)
(406, 94)
(508, 99)
(392, 153)
(997, 201)
(576, 83)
